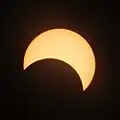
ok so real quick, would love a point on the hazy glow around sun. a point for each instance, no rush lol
(64, 45)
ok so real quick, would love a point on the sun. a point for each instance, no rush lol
(64, 45)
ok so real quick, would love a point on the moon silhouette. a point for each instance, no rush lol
(64, 45)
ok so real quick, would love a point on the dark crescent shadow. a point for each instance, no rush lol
(53, 85)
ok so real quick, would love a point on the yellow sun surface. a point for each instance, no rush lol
(64, 45)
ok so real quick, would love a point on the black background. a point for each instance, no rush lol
(97, 22)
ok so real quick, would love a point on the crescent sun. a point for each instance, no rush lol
(64, 45)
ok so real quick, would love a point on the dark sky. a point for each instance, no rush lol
(34, 93)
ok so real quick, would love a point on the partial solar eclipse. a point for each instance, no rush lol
(64, 45)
